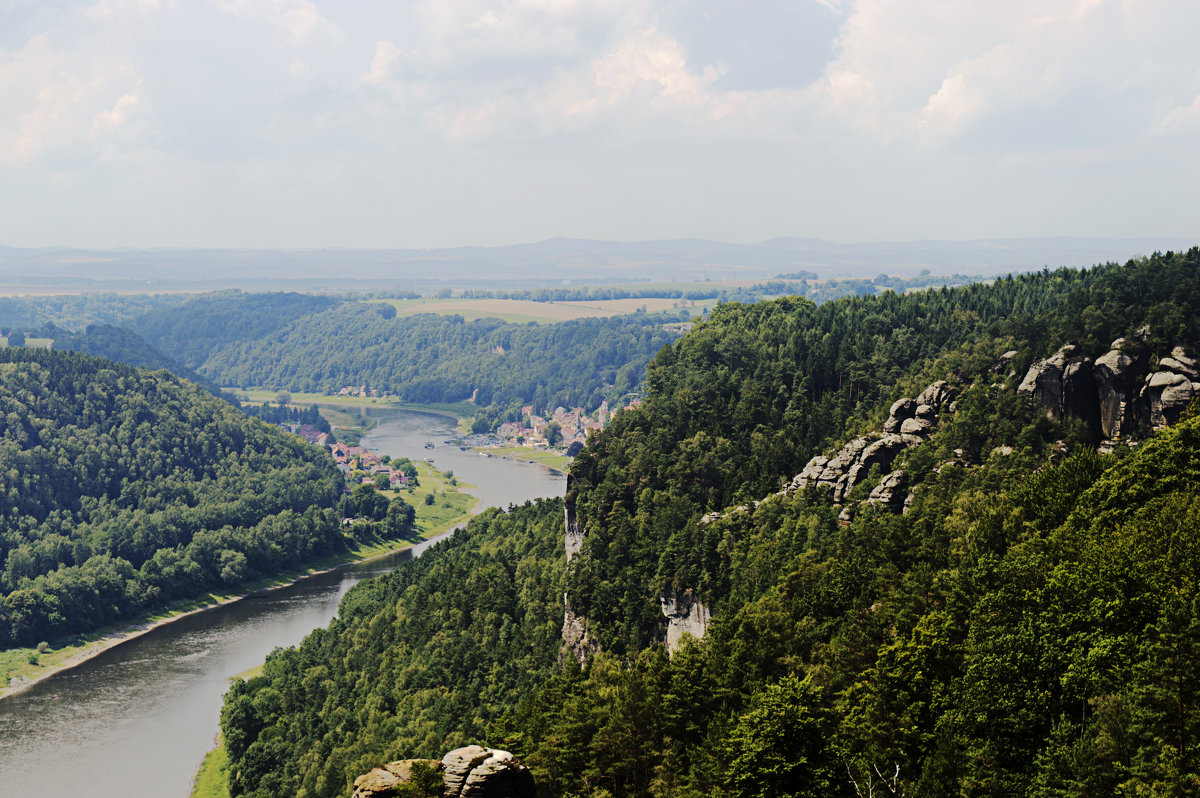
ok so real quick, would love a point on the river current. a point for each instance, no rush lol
(137, 719)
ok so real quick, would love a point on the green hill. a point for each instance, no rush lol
(994, 607)
(123, 489)
(126, 346)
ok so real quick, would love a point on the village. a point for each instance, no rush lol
(352, 459)
(563, 429)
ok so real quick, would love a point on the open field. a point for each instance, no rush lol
(520, 311)
(299, 399)
(649, 304)
(34, 343)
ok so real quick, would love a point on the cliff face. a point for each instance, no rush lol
(577, 642)
(1119, 392)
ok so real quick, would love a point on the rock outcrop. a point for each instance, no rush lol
(909, 422)
(1118, 378)
(577, 641)
(685, 615)
(385, 780)
(469, 772)
(891, 491)
(1117, 393)
(478, 772)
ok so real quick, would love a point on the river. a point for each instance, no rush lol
(136, 720)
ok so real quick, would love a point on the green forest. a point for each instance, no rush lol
(431, 358)
(122, 490)
(1029, 626)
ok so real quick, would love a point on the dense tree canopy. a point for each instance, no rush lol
(429, 358)
(121, 489)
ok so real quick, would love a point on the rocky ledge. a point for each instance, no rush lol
(909, 422)
(470, 772)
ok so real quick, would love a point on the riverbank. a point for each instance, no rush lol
(22, 668)
(552, 460)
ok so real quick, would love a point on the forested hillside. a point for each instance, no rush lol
(122, 489)
(426, 656)
(428, 358)
(199, 325)
(1025, 624)
(126, 346)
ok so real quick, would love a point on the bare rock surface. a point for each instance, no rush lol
(891, 491)
(477, 772)
(685, 615)
(384, 781)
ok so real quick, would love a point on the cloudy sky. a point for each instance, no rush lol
(307, 123)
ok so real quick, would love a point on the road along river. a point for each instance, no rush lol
(137, 719)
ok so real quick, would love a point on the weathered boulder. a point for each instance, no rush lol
(477, 772)
(1167, 394)
(847, 456)
(916, 426)
(901, 410)
(384, 781)
(891, 491)
(1004, 364)
(1044, 381)
(883, 451)
(935, 395)
(685, 615)
(1180, 363)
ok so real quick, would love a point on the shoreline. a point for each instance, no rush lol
(111, 640)
(505, 453)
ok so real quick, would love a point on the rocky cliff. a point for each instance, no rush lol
(1119, 394)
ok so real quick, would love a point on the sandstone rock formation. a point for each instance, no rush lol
(478, 772)
(909, 422)
(1117, 393)
(685, 615)
(383, 781)
(470, 772)
(891, 491)
(1117, 381)
(577, 640)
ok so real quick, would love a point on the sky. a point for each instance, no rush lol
(435, 123)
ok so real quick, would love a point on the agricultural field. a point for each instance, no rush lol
(520, 311)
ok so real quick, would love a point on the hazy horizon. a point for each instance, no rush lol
(268, 124)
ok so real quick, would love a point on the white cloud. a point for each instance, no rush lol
(1181, 120)
(52, 101)
(387, 55)
(300, 19)
(116, 116)
(613, 113)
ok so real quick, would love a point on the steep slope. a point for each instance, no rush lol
(417, 662)
(1016, 616)
(121, 489)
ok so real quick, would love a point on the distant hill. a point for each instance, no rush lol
(556, 260)
(201, 324)
(126, 346)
